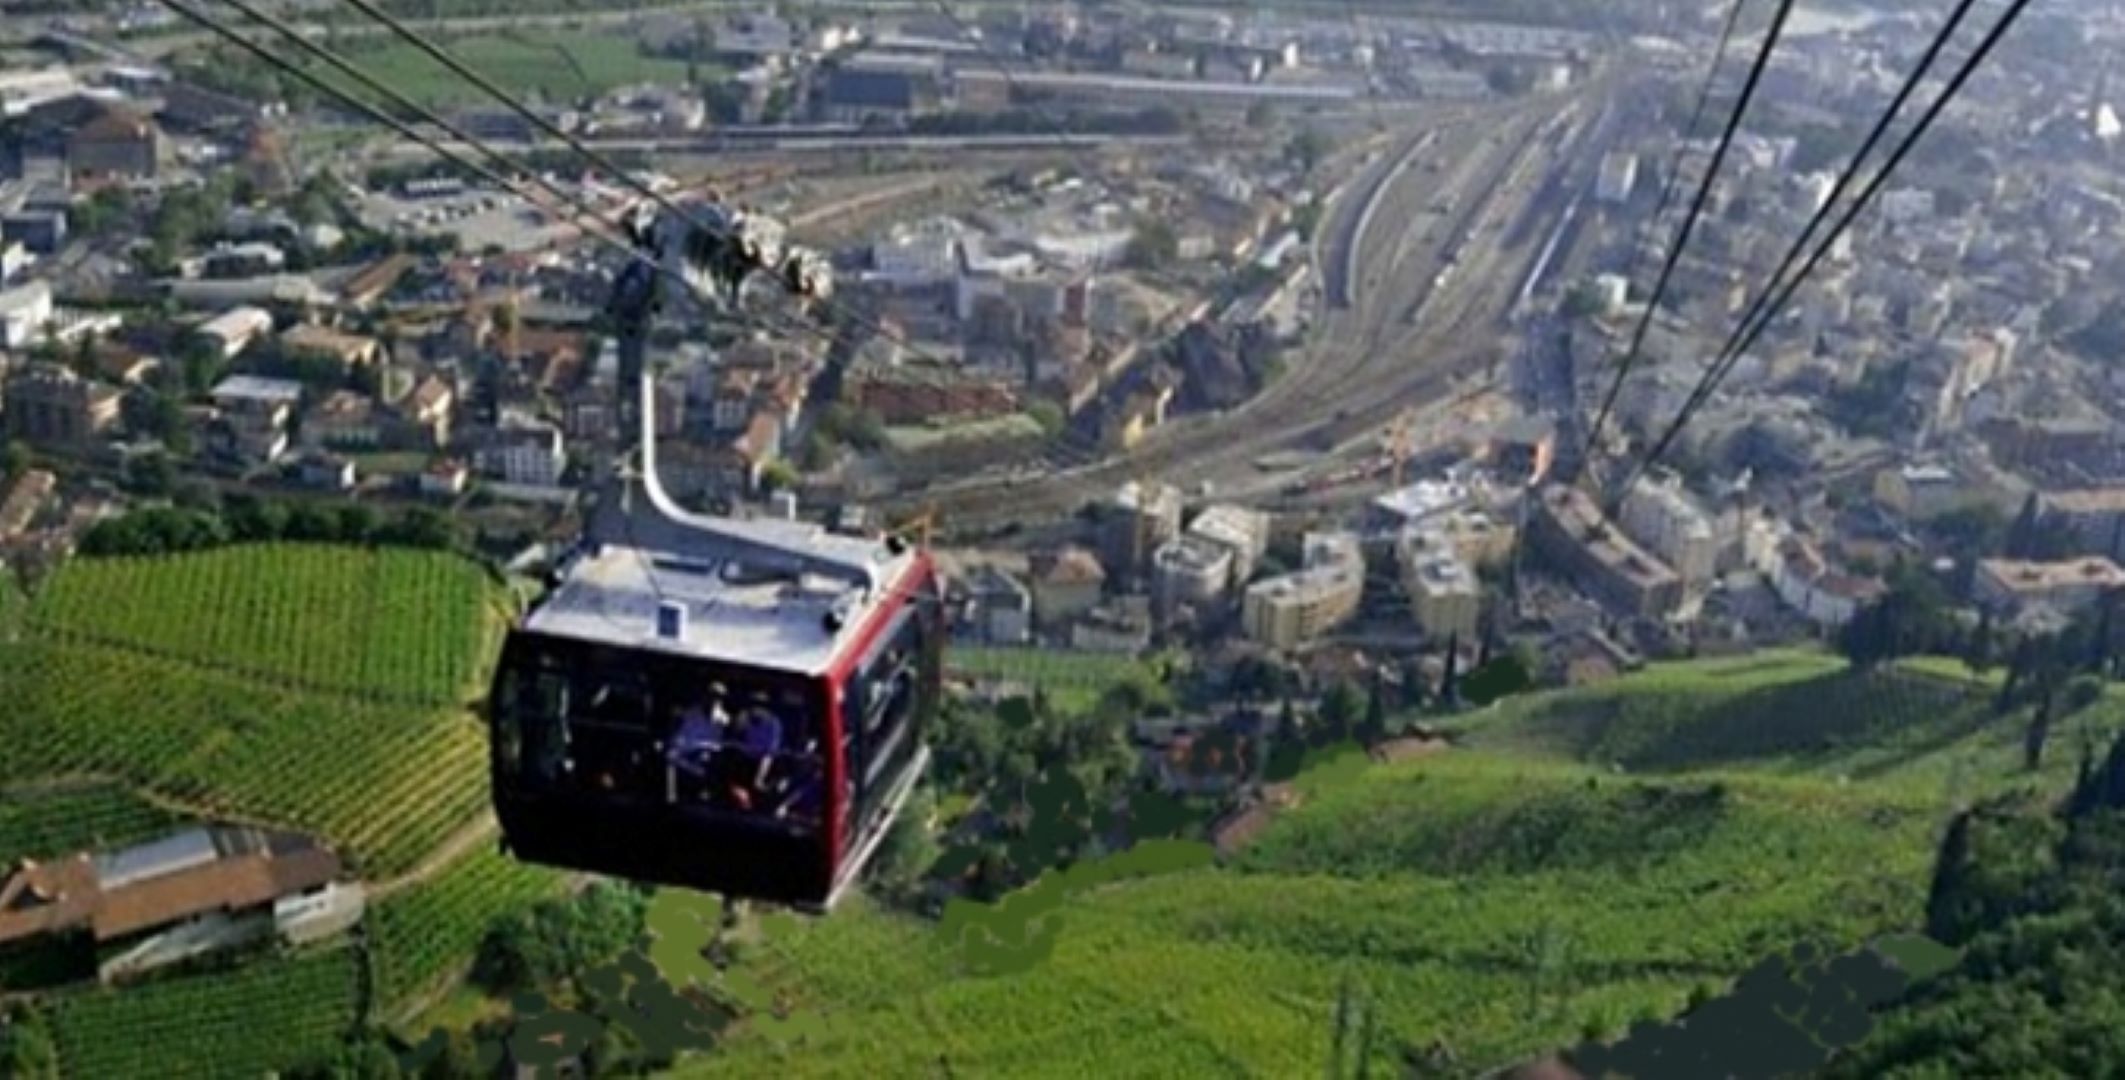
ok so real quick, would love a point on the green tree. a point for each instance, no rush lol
(14, 460)
(1341, 709)
(1154, 246)
(1308, 147)
(1048, 415)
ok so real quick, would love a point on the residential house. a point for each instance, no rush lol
(120, 144)
(425, 413)
(255, 412)
(445, 478)
(1000, 606)
(349, 351)
(22, 501)
(1067, 582)
(50, 405)
(234, 330)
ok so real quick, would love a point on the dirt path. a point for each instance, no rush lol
(453, 847)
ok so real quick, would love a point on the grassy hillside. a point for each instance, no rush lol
(1926, 725)
(1500, 905)
(1585, 860)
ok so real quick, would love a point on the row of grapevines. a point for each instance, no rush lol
(266, 1015)
(404, 625)
(383, 783)
(50, 823)
(424, 933)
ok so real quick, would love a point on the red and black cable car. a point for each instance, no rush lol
(732, 705)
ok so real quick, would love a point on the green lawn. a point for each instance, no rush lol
(1071, 679)
(556, 65)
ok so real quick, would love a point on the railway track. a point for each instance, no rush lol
(1366, 363)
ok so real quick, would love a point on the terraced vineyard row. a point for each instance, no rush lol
(45, 824)
(425, 933)
(383, 783)
(387, 623)
(242, 1024)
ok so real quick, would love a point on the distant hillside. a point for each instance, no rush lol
(1924, 725)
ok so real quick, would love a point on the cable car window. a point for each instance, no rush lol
(749, 750)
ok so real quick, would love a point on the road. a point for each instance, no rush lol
(1428, 316)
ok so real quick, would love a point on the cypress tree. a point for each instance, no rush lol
(1449, 690)
(2039, 732)
(1951, 873)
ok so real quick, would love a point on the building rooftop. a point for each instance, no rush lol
(734, 613)
(258, 388)
(2020, 575)
(1577, 513)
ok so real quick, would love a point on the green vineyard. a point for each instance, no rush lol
(427, 932)
(384, 784)
(40, 823)
(390, 623)
(237, 1025)
(1497, 904)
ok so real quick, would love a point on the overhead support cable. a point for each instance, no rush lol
(1731, 357)
(1689, 221)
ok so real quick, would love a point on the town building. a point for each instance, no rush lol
(1662, 516)
(119, 145)
(2094, 516)
(1922, 492)
(1570, 530)
(51, 406)
(1067, 582)
(2066, 586)
(254, 415)
(234, 330)
(1241, 530)
(1290, 610)
(526, 454)
(1191, 574)
(1142, 517)
(1445, 596)
(1806, 582)
(25, 311)
(999, 606)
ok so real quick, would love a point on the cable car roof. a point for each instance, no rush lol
(775, 621)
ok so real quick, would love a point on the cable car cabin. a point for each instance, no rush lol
(744, 729)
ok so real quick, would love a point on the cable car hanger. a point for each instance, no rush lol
(715, 256)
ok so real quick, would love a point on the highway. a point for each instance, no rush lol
(1426, 318)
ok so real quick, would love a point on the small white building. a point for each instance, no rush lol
(24, 313)
(234, 330)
